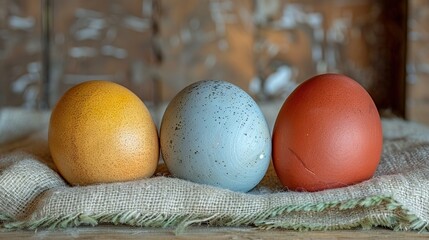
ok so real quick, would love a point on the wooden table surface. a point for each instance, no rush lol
(123, 232)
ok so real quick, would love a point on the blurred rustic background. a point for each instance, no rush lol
(267, 47)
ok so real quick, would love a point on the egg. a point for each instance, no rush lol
(101, 132)
(327, 134)
(214, 133)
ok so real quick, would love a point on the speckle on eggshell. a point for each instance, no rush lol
(214, 133)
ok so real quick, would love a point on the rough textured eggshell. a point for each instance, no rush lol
(214, 133)
(327, 134)
(102, 132)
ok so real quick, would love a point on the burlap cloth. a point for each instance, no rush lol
(33, 195)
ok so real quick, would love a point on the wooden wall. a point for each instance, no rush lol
(267, 47)
(418, 62)
(20, 52)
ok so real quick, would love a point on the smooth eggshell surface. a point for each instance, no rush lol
(327, 134)
(214, 133)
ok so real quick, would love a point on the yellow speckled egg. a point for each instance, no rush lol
(101, 132)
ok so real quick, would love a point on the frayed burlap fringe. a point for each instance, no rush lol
(399, 220)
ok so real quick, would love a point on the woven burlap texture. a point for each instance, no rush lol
(33, 195)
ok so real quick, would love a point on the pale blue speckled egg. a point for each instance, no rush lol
(214, 133)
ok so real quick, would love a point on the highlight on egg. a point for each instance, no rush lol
(328, 134)
(214, 133)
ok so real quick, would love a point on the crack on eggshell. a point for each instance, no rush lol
(301, 161)
(328, 184)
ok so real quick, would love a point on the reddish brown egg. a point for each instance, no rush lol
(327, 134)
